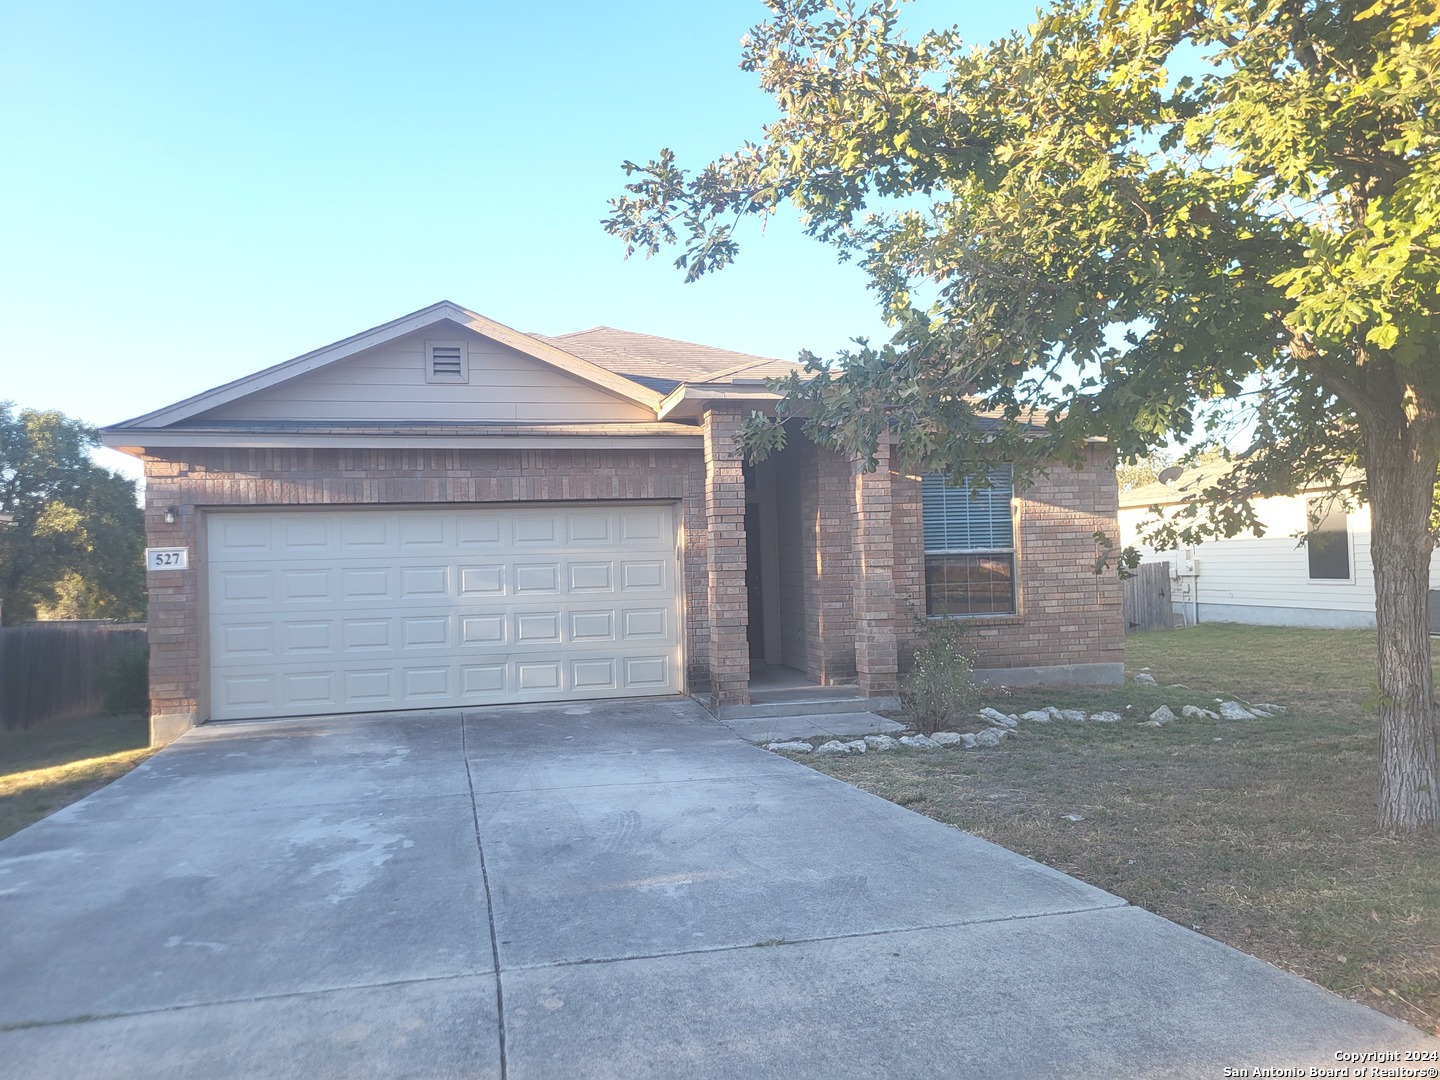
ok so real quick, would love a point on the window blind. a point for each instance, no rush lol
(966, 519)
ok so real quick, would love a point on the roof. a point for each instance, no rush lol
(662, 363)
(671, 377)
(535, 347)
(1196, 478)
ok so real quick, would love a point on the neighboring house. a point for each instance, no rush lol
(444, 511)
(1278, 579)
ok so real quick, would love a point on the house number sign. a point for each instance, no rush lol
(177, 558)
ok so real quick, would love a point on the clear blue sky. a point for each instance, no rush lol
(196, 191)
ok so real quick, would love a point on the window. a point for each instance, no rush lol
(446, 362)
(1328, 543)
(969, 546)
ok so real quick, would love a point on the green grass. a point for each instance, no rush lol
(1259, 833)
(45, 768)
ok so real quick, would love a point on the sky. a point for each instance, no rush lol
(193, 192)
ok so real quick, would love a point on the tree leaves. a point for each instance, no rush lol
(1117, 243)
(76, 525)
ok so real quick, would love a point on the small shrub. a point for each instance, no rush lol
(940, 685)
(125, 683)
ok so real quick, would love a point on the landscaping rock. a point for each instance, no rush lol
(1036, 716)
(1106, 717)
(1265, 709)
(918, 742)
(1145, 680)
(1057, 714)
(790, 747)
(1162, 715)
(834, 746)
(880, 742)
(989, 737)
(1233, 710)
(947, 738)
(1075, 716)
(967, 740)
(995, 716)
(857, 746)
(1195, 712)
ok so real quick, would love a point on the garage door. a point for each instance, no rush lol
(366, 610)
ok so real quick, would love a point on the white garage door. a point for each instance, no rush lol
(365, 610)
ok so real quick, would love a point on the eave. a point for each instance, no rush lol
(138, 441)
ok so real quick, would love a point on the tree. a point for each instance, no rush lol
(1062, 221)
(75, 545)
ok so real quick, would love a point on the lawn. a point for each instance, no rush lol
(1259, 833)
(47, 767)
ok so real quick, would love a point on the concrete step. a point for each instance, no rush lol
(848, 725)
(802, 707)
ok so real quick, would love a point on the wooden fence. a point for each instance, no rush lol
(1147, 598)
(50, 672)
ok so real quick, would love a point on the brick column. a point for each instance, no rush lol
(876, 662)
(173, 618)
(725, 521)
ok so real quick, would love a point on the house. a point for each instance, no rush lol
(443, 511)
(1278, 579)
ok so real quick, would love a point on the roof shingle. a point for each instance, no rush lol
(662, 363)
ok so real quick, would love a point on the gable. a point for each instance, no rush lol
(388, 383)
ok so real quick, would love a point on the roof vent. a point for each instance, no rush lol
(446, 362)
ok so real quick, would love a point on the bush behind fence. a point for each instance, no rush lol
(59, 671)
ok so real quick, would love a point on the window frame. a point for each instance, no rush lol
(1010, 552)
(1330, 507)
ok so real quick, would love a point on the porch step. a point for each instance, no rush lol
(848, 725)
(805, 707)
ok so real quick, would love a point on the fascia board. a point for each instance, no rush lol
(137, 444)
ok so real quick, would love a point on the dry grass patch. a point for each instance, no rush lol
(49, 767)
(1259, 833)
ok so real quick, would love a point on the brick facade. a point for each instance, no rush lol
(851, 560)
(1067, 613)
(187, 481)
(728, 602)
(876, 657)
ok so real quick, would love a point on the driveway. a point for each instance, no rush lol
(333, 897)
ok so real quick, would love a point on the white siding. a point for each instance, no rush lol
(388, 384)
(1273, 571)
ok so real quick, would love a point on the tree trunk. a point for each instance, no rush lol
(1400, 465)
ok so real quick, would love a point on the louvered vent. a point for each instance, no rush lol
(445, 362)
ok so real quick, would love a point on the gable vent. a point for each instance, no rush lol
(445, 361)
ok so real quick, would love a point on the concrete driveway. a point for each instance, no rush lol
(332, 898)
